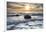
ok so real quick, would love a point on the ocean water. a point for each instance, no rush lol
(19, 22)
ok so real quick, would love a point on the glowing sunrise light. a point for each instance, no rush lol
(27, 7)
